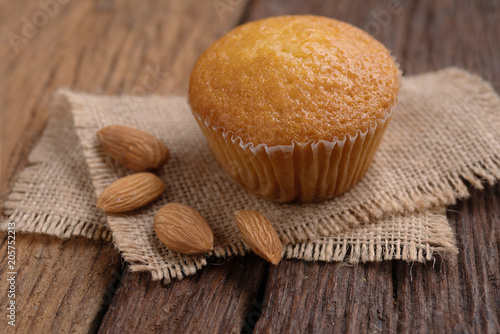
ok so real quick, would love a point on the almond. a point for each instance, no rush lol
(182, 229)
(133, 148)
(259, 234)
(131, 192)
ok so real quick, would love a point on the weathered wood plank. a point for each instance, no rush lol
(315, 297)
(27, 81)
(461, 295)
(51, 273)
(61, 286)
(215, 300)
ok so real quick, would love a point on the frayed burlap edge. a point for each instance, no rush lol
(62, 227)
(348, 248)
(40, 219)
(451, 188)
(372, 243)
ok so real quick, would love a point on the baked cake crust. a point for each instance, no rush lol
(294, 79)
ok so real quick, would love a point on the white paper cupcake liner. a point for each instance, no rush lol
(303, 172)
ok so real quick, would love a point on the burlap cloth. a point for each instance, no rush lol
(445, 133)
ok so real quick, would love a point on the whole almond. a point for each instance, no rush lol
(133, 148)
(131, 192)
(182, 229)
(259, 234)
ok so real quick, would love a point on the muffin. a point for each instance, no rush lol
(294, 107)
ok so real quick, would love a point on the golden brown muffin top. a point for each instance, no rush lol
(295, 78)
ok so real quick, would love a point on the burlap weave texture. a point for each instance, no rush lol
(444, 131)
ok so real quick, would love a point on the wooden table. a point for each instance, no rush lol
(111, 47)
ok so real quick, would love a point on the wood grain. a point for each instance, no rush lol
(215, 300)
(62, 286)
(461, 295)
(312, 297)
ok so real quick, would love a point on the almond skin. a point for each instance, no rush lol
(259, 234)
(131, 192)
(133, 148)
(182, 229)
